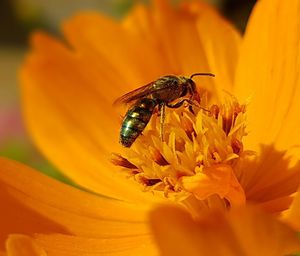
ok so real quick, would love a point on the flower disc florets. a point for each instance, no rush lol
(198, 155)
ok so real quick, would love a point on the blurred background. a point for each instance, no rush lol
(17, 19)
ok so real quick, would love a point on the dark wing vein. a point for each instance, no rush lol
(135, 94)
(142, 92)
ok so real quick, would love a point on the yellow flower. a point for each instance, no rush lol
(240, 148)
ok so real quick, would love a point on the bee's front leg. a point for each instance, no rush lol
(162, 115)
(179, 104)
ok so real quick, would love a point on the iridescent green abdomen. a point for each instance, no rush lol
(135, 121)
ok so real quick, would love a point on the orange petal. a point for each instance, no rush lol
(131, 59)
(269, 179)
(21, 245)
(245, 231)
(292, 215)
(275, 206)
(36, 203)
(61, 245)
(197, 29)
(219, 180)
(221, 57)
(56, 245)
(268, 72)
(72, 120)
(260, 232)
(189, 50)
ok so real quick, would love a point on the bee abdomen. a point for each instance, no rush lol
(135, 121)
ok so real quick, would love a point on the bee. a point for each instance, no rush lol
(168, 91)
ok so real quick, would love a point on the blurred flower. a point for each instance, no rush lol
(14, 142)
(208, 161)
(53, 12)
(10, 124)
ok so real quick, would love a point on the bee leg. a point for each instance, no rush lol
(176, 105)
(191, 109)
(179, 104)
(162, 113)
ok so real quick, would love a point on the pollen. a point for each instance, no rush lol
(197, 158)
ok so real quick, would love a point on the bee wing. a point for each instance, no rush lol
(135, 94)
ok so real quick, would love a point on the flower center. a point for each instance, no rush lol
(197, 157)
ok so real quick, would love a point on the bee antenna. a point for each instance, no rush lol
(202, 74)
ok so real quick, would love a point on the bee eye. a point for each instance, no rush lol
(184, 91)
(192, 86)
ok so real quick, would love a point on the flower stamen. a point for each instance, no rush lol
(119, 160)
(197, 157)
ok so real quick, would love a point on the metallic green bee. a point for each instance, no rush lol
(168, 91)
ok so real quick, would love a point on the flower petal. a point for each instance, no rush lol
(245, 231)
(72, 120)
(187, 36)
(57, 245)
(35, 203)
(218, 179)
(21, 245)
(131, 59)
(268, 72)
(292, 215)
(149, 34)
(222, 58)
(269, 179)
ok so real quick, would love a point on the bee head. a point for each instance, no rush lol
(192, 85)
